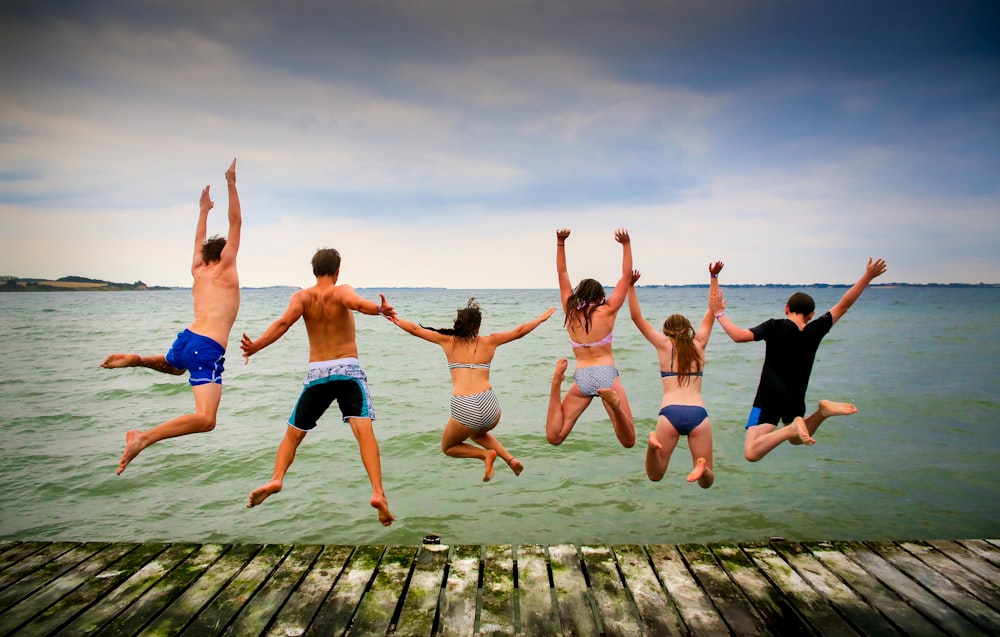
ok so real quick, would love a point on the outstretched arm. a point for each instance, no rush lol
(201, 229)
(499, 338)
(704, 331)
(872, 270)
(235, 218)
(354, 301)
(419, 330)
(617, 298)
(275, 331)
(717, 307)
(565, 287)
(646, 328)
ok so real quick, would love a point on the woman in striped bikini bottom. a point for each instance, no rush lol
(474, 407)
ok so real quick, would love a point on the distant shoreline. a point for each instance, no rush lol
(83, 284)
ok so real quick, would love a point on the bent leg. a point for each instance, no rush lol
(453, 444)
(563, 412)
(700, 443)
(286, 455)
(156, 363)
(659, 449)
(365, 435)
(616, 404)
(761, 439)
(828, 409)
(206, 405)
(486, 440)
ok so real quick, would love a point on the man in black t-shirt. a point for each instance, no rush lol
(791, 345)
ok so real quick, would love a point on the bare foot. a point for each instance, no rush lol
(491, 457)
(610, 399)
(654, 441)
(379, 502)
(133, 446)
(121, 360)
(699, 469)
(561, 365)
(802, 432)
(829, 408)
(516, 466)
(260, 494)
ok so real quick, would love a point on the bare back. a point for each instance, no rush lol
(216, 295)
(679, 390)
(602, 324)
(469, 381)
(328, 311)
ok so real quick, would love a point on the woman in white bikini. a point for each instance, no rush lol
(474, 407)
(590, 322)
(681, 352)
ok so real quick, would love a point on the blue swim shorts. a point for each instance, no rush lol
(202, 357)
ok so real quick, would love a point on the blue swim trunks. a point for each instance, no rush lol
(590, 379)
(202, 357)
(342, 380)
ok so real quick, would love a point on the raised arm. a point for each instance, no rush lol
(653, 335)
(872, 270)
(235, 218)
(717, 307)
(420, 331)
(617, 298)
(704, 331)
(201, 229)
(565, 286)
(275, 331)
(499, 338)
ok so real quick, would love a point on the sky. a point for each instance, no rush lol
(441, 144)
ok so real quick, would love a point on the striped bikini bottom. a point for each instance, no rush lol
(479, 411)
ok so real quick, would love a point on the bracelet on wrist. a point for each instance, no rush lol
(719, 315)
(714, 276)
(378, 310)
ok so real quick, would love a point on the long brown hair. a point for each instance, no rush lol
(586, 298)
(678, 328)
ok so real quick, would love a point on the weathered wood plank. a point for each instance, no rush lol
(336, 612)
(460, 597)
(974, 610)
(657, 614)
(576, 615)
(259, 610)
(775, 611)
(865, 619)
(933, 608)
(496, 611)
(806, 600)
(725, 595)
(16, 554)
(694, 606)
(39, 603)
(379, 605)
(231, 599)
(25, 569)
(537, 609)
(188, 604)
(614, 605)
(132, 620)
(144, 577)
(983, 549)
(416, 619)
(901, 614)
(94, 587)
(951, 569)
(297, 614)
(969, 560)
(42, 575)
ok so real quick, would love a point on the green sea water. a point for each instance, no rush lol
(919, 459)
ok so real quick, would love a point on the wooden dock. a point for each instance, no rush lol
(927, 587)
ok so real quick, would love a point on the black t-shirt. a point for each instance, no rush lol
(788, 362)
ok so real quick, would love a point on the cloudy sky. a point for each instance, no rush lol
(442, 143)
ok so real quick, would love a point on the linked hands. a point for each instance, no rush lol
(385, 309)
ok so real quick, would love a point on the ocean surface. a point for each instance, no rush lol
(919, 459)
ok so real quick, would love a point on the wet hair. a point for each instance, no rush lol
(211, 250)
(801, 303)
(326, 262)
(678, 328)
(467, 323)
(587, 296)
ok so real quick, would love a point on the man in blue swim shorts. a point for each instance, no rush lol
(791, 345)
(200, 349)
(334, 374)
